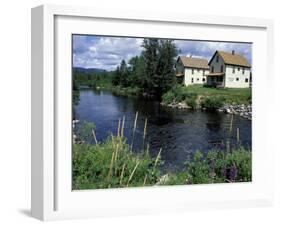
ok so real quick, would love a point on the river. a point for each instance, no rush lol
(178, 132)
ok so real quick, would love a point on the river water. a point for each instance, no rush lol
(178, 132)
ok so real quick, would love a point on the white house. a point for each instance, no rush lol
(191, 70)
(229, 70)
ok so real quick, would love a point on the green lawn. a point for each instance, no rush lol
(200, 90)
(229, 95)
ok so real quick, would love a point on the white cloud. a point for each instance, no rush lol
(107, 52)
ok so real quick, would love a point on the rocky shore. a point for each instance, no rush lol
(179, 105)
(242, 110)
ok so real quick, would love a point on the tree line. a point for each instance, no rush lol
(153, 71)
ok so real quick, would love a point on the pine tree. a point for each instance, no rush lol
(151, 57)
(116, 77)
(123, 74)
(165, 70)
(159, 57)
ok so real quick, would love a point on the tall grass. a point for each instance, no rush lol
(113, 164)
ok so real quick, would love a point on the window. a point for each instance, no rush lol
(217, 58)
(238, 69)
(233, 70)
(221, 68)
(198, 70)
(246, 80)
(197, 79)
(191, 80)
(212, 69)
(237, 79)
(192, 71)
(243, 71)
(203, 79)
(203, 72)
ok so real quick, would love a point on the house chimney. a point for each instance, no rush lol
(233, 52)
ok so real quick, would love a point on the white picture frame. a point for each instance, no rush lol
(52, 197)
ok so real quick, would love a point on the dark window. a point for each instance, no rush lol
(212, 69)
(220, 79)
(243, 71)
(221, 68)
(239, 69)
(198, 70)
(203, 79)
(233, 70)
(246, 80)
(191, 80)
(217, 58)
(203, 72)
(237, 79)
(192, 71)
(197, 79)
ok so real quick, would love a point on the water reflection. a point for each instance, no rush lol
(178, 132)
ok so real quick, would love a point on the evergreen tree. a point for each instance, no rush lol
(165, 70)
(123, 74)
(117, 77)
(159, 57)
(151, 56)
(152, 71)
(136, 71)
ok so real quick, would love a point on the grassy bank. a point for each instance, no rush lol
(199, 96)
(119, 90)
(114, 164)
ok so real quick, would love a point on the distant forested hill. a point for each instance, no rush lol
(88, 70)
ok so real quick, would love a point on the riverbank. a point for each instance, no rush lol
(118, 90)
(242, 110)
(230, 101)
(112, 164)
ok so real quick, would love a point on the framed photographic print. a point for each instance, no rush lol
(137, 113)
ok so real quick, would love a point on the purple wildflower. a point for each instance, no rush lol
(233, 173)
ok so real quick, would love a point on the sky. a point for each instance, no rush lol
(90, 51)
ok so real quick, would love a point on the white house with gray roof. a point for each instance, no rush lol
(191, 70)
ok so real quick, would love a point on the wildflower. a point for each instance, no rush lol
(233, 173)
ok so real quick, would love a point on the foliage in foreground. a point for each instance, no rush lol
(216, 167)
(112, 164)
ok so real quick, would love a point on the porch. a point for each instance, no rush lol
(216, 80)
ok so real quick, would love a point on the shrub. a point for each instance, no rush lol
(212, 102)
(179, 93)
(198, 170)
(220, 167)
(168, 97)
(191, 100)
